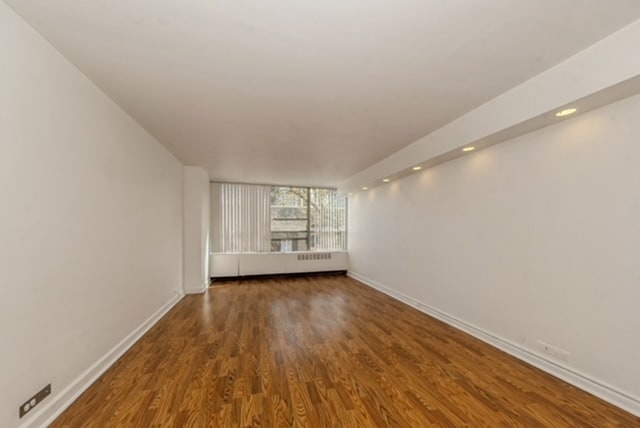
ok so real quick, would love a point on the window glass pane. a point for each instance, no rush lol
(305, 219)
(289, 225)
(279, 212)
(328, 220)
(288, 235)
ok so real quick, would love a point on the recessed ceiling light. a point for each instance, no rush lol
(566, 112)
(468, 149)
(365, 188)
(417, 168)
(386, 180)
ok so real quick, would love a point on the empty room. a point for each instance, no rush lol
(296, 213)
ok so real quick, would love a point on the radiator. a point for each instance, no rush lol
(228, 265)
(314, 256)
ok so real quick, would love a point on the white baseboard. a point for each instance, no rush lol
(45, 416)
(580, 380)
(197, 290)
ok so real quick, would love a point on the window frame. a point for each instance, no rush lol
(308, 232)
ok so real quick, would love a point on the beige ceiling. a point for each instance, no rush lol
(311, 92)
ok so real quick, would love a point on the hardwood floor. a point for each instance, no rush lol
(323, 352)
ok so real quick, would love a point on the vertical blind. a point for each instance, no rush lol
(328, 220)
(260, 218)
(245, 218)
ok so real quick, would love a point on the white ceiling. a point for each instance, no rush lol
(308, 91)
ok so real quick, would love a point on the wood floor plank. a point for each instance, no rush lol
(323, 352)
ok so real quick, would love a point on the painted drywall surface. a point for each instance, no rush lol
(608, 62)
(90, 220)
(196, 229)
(533, 239)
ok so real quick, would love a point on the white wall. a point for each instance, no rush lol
(196, 229)
(535, 239)
(90, 221)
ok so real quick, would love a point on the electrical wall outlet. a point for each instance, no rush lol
(558, 353)
(32, 402)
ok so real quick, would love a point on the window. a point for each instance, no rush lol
(290, 223)
(328, 220)
(259, 218)
(307, 219)
(243, 215)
